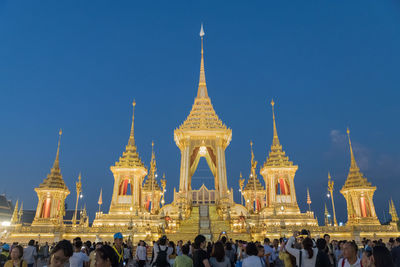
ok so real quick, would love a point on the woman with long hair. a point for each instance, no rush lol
(199, 254)
(16, 258)
(171, 258)
(218, 258)
(305, 257)
(105, 256)
(379, 256)
(60, 254)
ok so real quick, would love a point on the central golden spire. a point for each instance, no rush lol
(353, 164)
(131, 141)
(275, 140)
(56, 164)
(202, 91)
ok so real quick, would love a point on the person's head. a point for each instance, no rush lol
(327, 238)
(261, 251)
(98, 245)
(163, 241)
(381, 257)
(185, 249)
(218, 251)
(199, 242)
(118, 239)
(321, 243)
(275, 243)
(6, 247)
(228, 246)
(350, 250)
(251, 249)
(397, 241)
(366, 257)
(267, 241)
(180, 242)
(60, 254)
(308, 246)
(141, 243)
(17, 252)
(223, 239)
(105, 256)
(78, 246)
(31, 242)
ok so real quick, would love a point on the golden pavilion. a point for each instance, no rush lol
(139, 211)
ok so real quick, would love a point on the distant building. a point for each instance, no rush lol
(6, 208)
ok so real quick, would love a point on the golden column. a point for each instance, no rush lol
(241, 185)
(330, 189)
(163, 185)
(78, 192)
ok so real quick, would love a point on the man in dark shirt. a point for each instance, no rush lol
(119, 250)
(200, 255)
(396, 252)
(322, 256)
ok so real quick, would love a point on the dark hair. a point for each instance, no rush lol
(163, 241)
(185, 249)
(78, 244)
(107, 253)
(353, 245)
(266, 240)
(321, 243)
(172, 244)
(65, 246)
(228, 246)
(198, 240)
(20, 250)
(223, 239)
(382, 257)
(31, 242)
(326, 235)
(218, 252)
(308, 246)
(251, 249)
(398, 239)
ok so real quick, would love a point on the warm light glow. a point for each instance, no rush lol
(6, 223)
(203, 151)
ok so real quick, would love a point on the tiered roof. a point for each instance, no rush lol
(151, 183)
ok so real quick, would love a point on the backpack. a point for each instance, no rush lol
(161, 260)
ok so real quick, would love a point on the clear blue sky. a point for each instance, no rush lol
(77, 65)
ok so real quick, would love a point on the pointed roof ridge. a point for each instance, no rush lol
(277, 156)
(392, 211)
(14, 218)
(130, 157)
(202, 115)
(308, 197)
(355, 178)
(151, 183)
(100, 202)
(253, 184)
(54, 178)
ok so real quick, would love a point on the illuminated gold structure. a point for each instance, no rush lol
(358, 193)
(51, 194)
(139, 211)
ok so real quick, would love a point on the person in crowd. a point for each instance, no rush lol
(179, 248)
(275, 261)
(141, 254)
(252, 259)
(199, 254)
(288, 260)
(161, 252)
(60, 254)
(261, 255)
(184, 260)
(16, 258)
(323, 259)
(172, 256)
(218, 257)
(305, 257)
(119, 250)
(396, 252)
(230, 253)
(92, 255)
(79, 258)
(5, 254)
(209, 249)
(105, 256)
(30, 253)
(329, 250)
(127, 254)
(350, 258)
(268, 249)
(339, 250)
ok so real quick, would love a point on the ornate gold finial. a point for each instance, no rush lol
(353, 163)
(202, 90)
(131, 141)
(308, 199)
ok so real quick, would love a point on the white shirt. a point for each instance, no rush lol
(305, 261)
(269, 250)
(30, 254)
(141, 253)
(77, 259)
(347, 264)
(252, 261)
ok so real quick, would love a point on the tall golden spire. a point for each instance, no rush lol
(392, 211)
(131, 141)
(353, 160)
(275, 140)
(14, 218)
(308, 200)
(202, 90)
(56, 164)
(151, 181)
(130, 158)
(253, 184)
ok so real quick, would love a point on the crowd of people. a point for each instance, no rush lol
(300, 250)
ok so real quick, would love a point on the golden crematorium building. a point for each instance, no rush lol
(137, 207)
